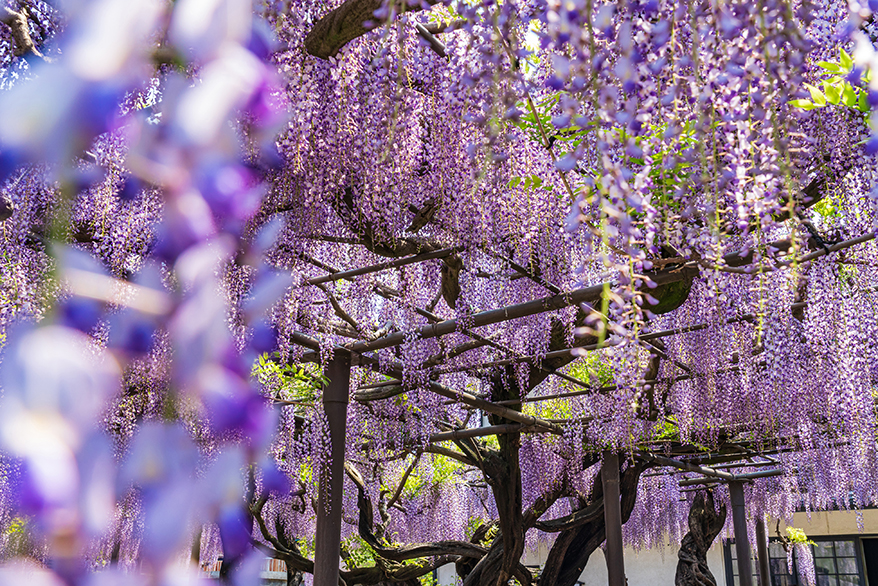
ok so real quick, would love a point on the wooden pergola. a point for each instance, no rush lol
(359, 353)
(326, 38)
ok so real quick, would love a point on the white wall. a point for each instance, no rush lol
(643, 568)
(649, 567)
(832, 523)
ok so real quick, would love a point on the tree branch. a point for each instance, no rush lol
(404, 479)
(439, 450)
(18, 22)
(346, 23)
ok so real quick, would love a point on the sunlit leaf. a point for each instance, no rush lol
(818, 97)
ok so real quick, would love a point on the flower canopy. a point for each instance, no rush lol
(540, 231)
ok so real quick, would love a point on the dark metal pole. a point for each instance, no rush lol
(742, 542)
(328, 537)
(762, 553)
(613, 519)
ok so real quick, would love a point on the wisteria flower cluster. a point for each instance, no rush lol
(581, 227)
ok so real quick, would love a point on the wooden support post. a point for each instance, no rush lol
(762, 553)
(613, 519)
(328, 538)
(742, 542)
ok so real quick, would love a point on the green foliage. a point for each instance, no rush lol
(18, 525)
(593, 369)
(356, 553)
(564, 140)
(569, 139)
(306, 473)
(445, 469)
(796, 535)
(306, 546)
(442, 14)
(473, 525)
(667, 429)
(572, 136)
(491, 442)
(835, 89)
(828, 207)
(18, 537)
(414, 485)
(530, 182)
(290, 382)
(551, 409)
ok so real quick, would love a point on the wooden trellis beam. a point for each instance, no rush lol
(395, 370)
(382, 266)
(555, 302)
(387, 294)
(705, 470)
(738, 477)
(482, 432)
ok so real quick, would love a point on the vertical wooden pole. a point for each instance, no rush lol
(762, 553)
(613, 519)
(328, 537)
(742, 542)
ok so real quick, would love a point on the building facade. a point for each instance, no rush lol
(844, 555)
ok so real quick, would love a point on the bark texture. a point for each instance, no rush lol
(346, 23)
(705, 523)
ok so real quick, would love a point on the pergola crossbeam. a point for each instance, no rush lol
(738, 477)
(395, 370)
(387, 294)
(382, 266)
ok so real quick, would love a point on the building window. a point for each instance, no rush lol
(777, 564)
(837, 562)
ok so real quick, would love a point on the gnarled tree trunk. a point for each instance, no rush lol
(573, 547)
(705, 523)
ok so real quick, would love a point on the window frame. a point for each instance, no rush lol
(728, 544)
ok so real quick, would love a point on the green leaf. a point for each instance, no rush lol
(816, 95)
(828, 66)
(849, 96)
(846, 62)
(803, 104)
(514, 182)
(862, 103)
(833, 93)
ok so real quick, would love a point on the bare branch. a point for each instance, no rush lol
(439, 450)
(18, 22)
(346, 23)
(435, 44)
(444, 27)
(340, 311)
(405, 477)
(577, 518)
